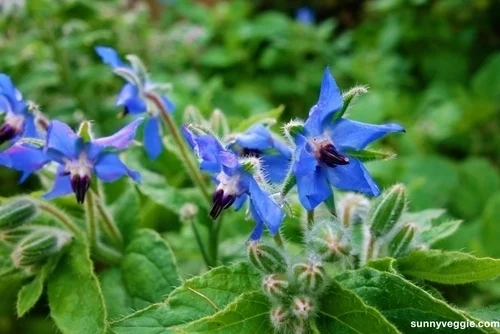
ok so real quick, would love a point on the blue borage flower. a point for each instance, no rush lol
(305, 15)
(132, 98)
(259, 142)
(322, 159)
(80, 157)
(18, 121)
(234, 184)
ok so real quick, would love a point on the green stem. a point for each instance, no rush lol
(63, 218)
(192, 222)
(107, 254)
(310, 218)
(213, 240)
(91, 219)
(193, 171)
(110, 225)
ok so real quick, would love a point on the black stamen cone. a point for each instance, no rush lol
(80, 185)
(329, 155)
(220, 201)
(250, 152)
(7, 132)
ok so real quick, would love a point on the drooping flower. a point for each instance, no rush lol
(234, 183)
(133, 97)
(80, 157)
(259, 142)
(322, 158)
(18, 121)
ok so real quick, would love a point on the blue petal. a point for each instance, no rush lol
(109, 56)
(356, 135)
(353, 177)
(305, 163)
(23, 157)
(305, 15)
(275, 167)
(258, 137)
(30, 130)
(229, 162)
(330, 101)
(313, 189)
(259, 224)
(152, 138)
(169, 105)
(238, 203)
(119, 141)
(12, 99)
(189, 136)
(129, 97)
(62, 142)
(62, 186)
(208, 148)
(265, 207)
(110, 168)
(5, 106)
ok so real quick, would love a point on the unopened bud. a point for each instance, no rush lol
(310, 275)
(279, 317)
(266, 258)
(17, 212)
(275, 285)
(387, 211)
(193, 115)
(13, 236)
(401, 242)
(188, 211)
(39, 245)
(302, 307)
(219, 124)
(328, 240)
(352, 208)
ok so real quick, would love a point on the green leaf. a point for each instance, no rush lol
(147, 274)
(272, 114)
(490, 228)
(448, 267)
(383, 264)
(249, 313)
(75, 300)
(342, 311)
(490, 313)
(198, 297)
(31, 292)
(439, 230)
(399, 300)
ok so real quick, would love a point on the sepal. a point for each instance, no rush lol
(387, 211)
(265, 258)
(17, 213)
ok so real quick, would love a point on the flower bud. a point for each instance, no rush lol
(352, 208)
(310, 275)
(218, 123)
(17, 212)
(193, 115)
(188, 211)
(401, 242)
(328, 240)
(38, 246)
(275, 285)
(302, 307)
(388, 210)
(279, 317)
(266, 258)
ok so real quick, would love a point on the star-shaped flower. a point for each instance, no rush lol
(322, 158)
(234, 183)
(133, 98)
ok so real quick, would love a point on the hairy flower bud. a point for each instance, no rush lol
(401, 242)
(352, 208)
(266, 258)
(310, 275)
(279, 317)
(328, 240)
(17, 212)
(192, 115)
(188, 211)
(388, 210)
(218, 123)
(275, 285)
(302, 307)
(39, 245)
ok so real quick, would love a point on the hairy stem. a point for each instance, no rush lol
(310, 218)
(201, 246)
(167, 117)
(60, 216)
(91, 219)
(109, 223)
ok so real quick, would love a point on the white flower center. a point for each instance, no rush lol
(15, 121)
(81, 167)
(229, 184)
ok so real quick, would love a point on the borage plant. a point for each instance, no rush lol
(360, 265)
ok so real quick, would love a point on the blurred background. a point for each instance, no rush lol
(431, 65)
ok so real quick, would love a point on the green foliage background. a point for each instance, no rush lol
(433, 66)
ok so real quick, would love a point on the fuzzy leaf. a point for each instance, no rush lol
(75, 299)
(383, 264)
(198, 297)
(148, 273)
(399, 300)
(249, 313)
(438, 231)
(448, 267)
(342, 311)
